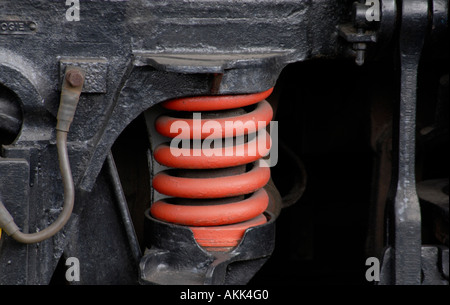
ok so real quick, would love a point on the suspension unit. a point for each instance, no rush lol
(169, 173)
(216, 211)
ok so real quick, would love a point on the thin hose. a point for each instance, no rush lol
(70, 94)
(69, 198)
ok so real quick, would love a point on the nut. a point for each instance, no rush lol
(74, 78)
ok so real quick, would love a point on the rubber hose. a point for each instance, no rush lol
(69, 197)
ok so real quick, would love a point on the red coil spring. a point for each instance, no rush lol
(217, 195)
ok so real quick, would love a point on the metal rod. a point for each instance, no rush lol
(123, 208)
(408, 243)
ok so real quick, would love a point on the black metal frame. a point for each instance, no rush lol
(135, 62)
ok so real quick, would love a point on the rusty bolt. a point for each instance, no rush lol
(74, 78)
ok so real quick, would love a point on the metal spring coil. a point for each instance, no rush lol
(217, 194)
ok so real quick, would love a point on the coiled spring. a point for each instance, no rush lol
(215, 188)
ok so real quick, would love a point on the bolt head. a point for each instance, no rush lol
(74, 78)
